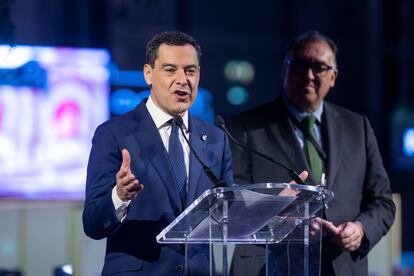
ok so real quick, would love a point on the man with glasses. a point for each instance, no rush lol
(337, 147)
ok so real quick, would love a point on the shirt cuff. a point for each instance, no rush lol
(119, 205)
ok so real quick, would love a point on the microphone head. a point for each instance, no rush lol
(178, 120)
(220, 121)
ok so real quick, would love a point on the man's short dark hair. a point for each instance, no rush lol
(311, 36)
(171, 38)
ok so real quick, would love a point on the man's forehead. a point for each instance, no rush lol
(317, 49)
(169, 53)
(188, 48)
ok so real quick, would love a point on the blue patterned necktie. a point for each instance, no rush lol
(176, 153)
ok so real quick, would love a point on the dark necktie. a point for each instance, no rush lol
(315, 161)
(175, 151)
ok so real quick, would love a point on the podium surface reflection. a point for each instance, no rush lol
(264, 214)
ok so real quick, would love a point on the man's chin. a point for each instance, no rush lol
(309, 90)
(181, 107)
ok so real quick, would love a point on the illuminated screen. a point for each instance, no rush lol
(51, 101)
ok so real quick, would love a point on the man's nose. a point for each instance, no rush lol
(310, 74)
(181, 77)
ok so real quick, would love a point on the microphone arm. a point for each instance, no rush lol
(292, 173)
(216, 183)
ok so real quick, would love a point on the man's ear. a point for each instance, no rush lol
(148, 74)
(333, 77)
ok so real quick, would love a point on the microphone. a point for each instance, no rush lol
(216, 183)
(292, 173)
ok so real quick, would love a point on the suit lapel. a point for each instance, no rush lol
(332, 133)
(153, 150)
(200, 146)
(285, 138)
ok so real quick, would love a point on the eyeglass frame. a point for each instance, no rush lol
(320, 72)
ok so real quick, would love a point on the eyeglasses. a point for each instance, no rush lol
(301, 67)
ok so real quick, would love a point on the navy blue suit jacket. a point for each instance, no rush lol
(131, 245)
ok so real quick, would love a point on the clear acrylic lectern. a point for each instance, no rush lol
(268, 214)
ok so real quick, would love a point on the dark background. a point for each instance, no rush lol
(375, 40)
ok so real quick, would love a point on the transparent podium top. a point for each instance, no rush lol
(252, 214)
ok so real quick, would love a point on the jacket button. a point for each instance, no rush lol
(179, 268)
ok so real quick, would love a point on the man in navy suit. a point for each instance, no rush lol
(132, 150)
(344, 156)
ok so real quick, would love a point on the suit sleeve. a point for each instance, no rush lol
(378, 209)
(242, 163)
(99, 218)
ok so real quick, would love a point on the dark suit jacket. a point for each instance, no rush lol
(354, 168)
(131, 245)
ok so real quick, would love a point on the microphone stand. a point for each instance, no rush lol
(216, 182)
(292, 173)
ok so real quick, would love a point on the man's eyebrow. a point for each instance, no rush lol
(168, 65)
(191, 66)
(316, 61)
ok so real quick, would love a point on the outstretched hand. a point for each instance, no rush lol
(127, 186)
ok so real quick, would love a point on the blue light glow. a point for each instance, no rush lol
(123, 100)
(237, 95)
(202, 106)
(408, 142)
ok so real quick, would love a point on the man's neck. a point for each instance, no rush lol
(300, 113)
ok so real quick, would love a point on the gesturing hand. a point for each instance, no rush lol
(351, 235)
(347, 235)
(127, 186)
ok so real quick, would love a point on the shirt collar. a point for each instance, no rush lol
(299, 114)
(160, 117)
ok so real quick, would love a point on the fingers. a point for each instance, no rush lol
(288, 192)
(328, 225)
(130, 191)
(351, 236)
(315, 227)
(126, 164)
(304, 175)
(348, 230)
(124, 179)
(347, 235)
(126, 160)
(127, 186)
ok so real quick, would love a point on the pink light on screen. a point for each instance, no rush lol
(66, 120)
(46, 132)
